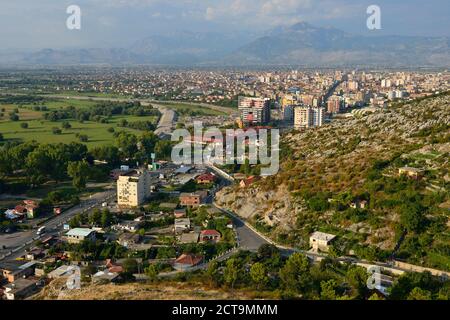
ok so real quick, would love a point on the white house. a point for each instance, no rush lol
(320, 241)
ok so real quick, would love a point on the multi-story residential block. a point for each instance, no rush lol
(307, 117)
(254, 110)
(194, 199)
(334, 104)
(133, 188)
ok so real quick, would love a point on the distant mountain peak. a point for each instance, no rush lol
(302, 26)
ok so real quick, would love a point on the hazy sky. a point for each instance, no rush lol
(118, 23)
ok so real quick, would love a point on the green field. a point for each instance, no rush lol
(41, 130)
(187, 107)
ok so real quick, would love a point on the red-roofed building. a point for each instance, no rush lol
(206, 178)
(246, 182)
(31, 207)
(210, 236)
(187, 261)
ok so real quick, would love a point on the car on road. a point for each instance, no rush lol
(41, 230)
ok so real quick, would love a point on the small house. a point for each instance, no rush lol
(320, 241)
(20, 289)
(129, 239)
(179, 213)
(210, 236)
(187, 261)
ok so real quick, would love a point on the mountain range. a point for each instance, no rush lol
(300, 44)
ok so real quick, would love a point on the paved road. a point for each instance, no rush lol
(247, 238)
(166, 122)
(18, 242)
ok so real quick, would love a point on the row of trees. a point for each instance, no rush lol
(43, 162)
(101, 112)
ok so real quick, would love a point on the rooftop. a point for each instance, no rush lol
(80, 232)
(323, 236)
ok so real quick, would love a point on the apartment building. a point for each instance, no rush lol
(133, 187)
(334, 104)
(307, 117)
(254, 110)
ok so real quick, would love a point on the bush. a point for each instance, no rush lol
(56, 130)
(24, 125)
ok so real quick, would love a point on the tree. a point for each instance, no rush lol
(127, 144)
(79, 172)
(148, 142)
(24, 125)
(56, 130)
(163, 149)
(258, 275)
(106, 218)
(130, 266)
(95, 217)
(106, 153)
(151, 272)
(419, 294)
(295, 275)
(66, 125)
(411, 217)
(357, 278)
(375, 297)
(213, 273)
(83, 138)
(328, 290)
(270, 256)
(231, 272)
(13, 117)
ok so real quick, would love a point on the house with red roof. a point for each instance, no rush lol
(187, 261)
(206, 178)
(248, 181)
(210, 236)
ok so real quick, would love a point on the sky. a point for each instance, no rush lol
(35, 24)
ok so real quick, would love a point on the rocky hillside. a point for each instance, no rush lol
(56, 290)
(330, 167)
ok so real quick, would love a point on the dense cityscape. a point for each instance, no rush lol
(225, 151)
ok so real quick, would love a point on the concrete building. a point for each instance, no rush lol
(20, 289)
(13, 270)
(254, 111)
(78, 235)
(307, 117)
(320, 241)
(133, 188)
(194, 199)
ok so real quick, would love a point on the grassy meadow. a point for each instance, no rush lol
(40, 129)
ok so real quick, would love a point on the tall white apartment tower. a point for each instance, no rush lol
(133, 188)
(307, 117)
